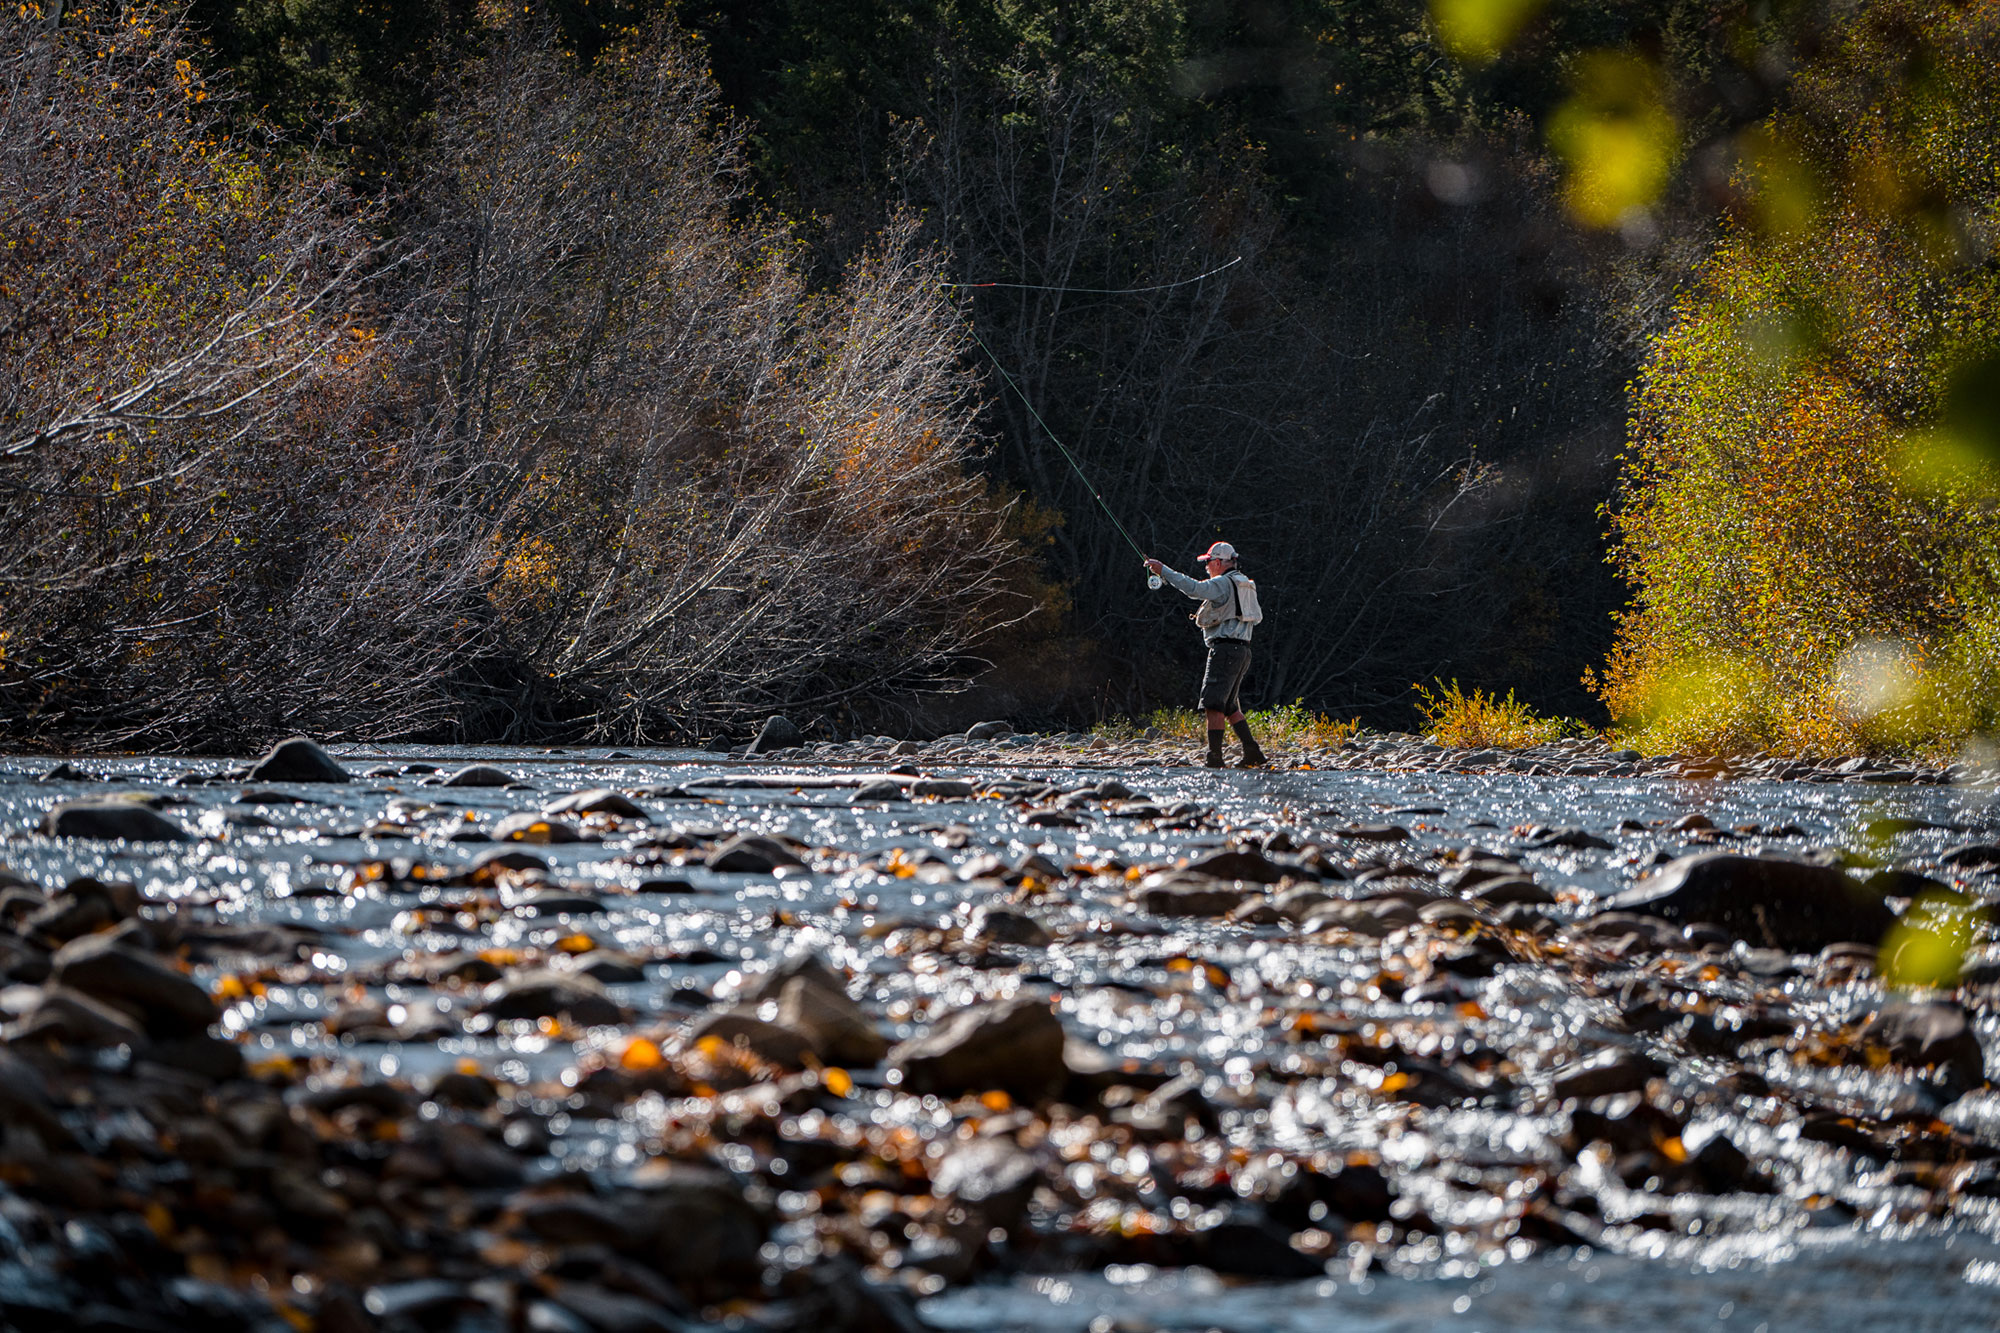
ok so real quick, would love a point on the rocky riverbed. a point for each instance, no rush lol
(996, 1032)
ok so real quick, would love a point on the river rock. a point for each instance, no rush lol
(1510, 891)
(988, 731)
(596, 801)
(1929, 1034)
(1176, 893)
(478, 775)
(527, 826)
(1773, 901)
(881, 789)
(1015, 1045)
(811, 1000)
(127, 821)
(1001, 925)
(943, 789)
(543, 993)
(777, 733)
(76, 1019)
(1253, 867)
(1973, 856)
(297, 759)
(85, 905)
(991, 1176)
(1605, 1073)
(167, 1002)
(748, 853)
(772, 1042)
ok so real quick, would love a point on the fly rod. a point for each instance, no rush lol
(1153, 581)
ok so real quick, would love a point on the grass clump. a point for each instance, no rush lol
(1290, 724)
(1478, 720)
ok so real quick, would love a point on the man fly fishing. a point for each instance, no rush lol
(1227, 612)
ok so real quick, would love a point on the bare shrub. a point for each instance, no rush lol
(191, 473)
(708, 490)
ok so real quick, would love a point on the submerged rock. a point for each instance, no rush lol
(1767, 900)
(126, 821)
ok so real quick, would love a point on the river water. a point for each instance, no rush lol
(1837, 1237)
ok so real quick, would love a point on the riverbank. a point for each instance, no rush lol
(489, 1039)
(1377, 751)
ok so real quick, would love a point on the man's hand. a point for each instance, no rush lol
(1153, 566)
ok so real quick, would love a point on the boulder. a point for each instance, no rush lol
(1176, 893)
(773, 1042)
(1254, 867)
(527, 826)
(167, 1002)
(125, 821)
(943, 789)
(1015, 1045)
(597, 801)
(1605, 1073)
(812, 1001)
(1772, 901)
(1929, 1034)
(542, 993)
(749, 854)
(1002, 925)
(988, 731)
(84, 905)
(76, 1019)
(777, 733)
(882, 789)
(298, 759)
(478, 775)
(1514, 889)
(991, 1177)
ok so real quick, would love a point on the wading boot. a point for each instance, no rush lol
(1214, 759)
(1253, 757)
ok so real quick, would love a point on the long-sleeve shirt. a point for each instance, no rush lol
(1217, 613)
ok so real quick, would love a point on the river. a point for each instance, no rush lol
(1302, 1051)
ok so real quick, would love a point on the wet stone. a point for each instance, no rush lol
(1000, 925)
(1178, 894)
(1608, 1072)
(1771, 901)
(1015, 1046)
(752, 854)
(298, 759)
(1935, 1034)
(597, 801)
(126, 821)
(167, 1002)
(478, 775)
(543, 993)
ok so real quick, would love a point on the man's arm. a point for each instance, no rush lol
(1202, 590)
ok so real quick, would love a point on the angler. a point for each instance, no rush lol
(1226, 615)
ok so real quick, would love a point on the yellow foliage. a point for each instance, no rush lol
(1480, 720)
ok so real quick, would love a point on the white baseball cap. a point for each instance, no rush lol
(1219, 551)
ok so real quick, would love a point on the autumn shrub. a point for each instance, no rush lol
(1807, 508)
(575, 447)
(1476, 719)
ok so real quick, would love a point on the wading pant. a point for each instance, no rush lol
(1222, 678)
